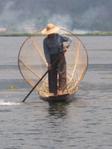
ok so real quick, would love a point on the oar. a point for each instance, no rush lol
(34, 86)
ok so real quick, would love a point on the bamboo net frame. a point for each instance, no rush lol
(32, 63)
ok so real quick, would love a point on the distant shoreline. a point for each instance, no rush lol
(38, 34)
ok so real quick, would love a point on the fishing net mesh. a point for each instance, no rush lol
(33, 65)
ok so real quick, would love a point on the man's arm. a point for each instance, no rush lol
(66, 42)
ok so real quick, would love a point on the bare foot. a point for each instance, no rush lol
(60, 92)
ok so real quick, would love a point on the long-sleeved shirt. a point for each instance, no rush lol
(54, 45)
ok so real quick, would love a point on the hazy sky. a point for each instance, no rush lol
(75, 14)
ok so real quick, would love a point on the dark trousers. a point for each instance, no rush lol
(57, 72)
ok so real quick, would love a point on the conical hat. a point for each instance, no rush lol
(50, 29)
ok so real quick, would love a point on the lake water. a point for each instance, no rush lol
(84, 123)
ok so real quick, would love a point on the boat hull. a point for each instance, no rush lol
(58, 98)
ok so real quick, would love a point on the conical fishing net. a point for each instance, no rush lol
(33, 65)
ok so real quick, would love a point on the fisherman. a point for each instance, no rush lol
(54, 50)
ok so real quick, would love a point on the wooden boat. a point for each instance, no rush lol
(32, 65)
(57, 98)
(65, 96)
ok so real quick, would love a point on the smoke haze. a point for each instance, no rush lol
(73, 14)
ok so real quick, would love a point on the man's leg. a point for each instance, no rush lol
(62, 79)
(62, 73)
(52, 76)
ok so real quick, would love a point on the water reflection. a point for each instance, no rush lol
(58, 109)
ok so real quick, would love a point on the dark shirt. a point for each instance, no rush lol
(54, 44)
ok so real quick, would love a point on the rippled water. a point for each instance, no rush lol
(84, 123)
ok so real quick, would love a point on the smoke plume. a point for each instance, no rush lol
(74, 14)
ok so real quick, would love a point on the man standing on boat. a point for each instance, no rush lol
(54, 50)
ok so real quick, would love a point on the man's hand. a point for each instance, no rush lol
(66, 47)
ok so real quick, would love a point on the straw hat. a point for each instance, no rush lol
(50, 29)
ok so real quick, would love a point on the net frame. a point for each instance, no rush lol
(71, 81)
